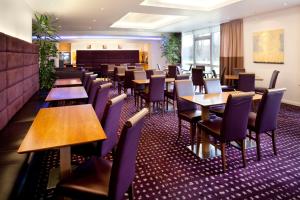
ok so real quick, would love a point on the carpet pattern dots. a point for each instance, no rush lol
(166, 169)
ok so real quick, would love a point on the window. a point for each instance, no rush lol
(187, 50)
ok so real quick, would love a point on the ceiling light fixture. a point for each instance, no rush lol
(203, 5)
(146, 21)
(95, 37)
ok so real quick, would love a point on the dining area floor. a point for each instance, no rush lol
(167, 169)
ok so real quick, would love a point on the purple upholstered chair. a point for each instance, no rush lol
(127, 83)
(172, 71)
(156, 92)
(149, 73)
(102, 179)
(89, 82)
(213, 86)
(272, 83)
(186, 111)
(104, 71)
(138, 89)
(265, 120)
(246, 82)
(110, 124)
(86, 77)
(93, 92)
(197, 78)
(101, 99)
(233, 125)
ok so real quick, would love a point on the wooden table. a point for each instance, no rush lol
(236, 77)
(69, 82)
(147, 81)
(205, 101)
(62, 127)
(66, 93)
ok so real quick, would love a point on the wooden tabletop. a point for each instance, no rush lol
(213, 99)
(236, 77)
(66, 93)
(147, 81)
(62, 126)
(67, 82)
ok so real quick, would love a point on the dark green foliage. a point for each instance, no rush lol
(46, 37)
(171, 47)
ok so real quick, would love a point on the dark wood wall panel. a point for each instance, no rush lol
(94, 58)
(19, 77)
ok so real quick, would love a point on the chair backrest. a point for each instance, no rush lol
(121, 70)
(158, 72)
(172, 71)
(94, 89)
(123, 169)
(197, 76)
(158, 67)
(212, 86)
(89, 83)
(140, 75)
(214, 74)
(184, 88)
(86, 77)
(266, 118)
(235, 118)
(182, 77)
(130, 67)
(200, 67)
(237, 71)
(110, 123)
(139, 68)
(104, 70)
(273, 79)
(156, 88)
(246, 82)
(111, 67)
(101, 99)
(128, 79)
(149, 73)
(222, 75)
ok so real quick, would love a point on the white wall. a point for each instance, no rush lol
(289, 77)
(152, 47)
(16, 19)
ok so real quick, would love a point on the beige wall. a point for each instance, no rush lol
(289, 77)
(16, 19)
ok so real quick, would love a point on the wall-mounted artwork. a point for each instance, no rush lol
(268, 46)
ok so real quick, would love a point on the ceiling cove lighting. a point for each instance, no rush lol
(78, 37)
(146, 21)
(203, 5)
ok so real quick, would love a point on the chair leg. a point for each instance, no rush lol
(243, 152)
(149, 106)
(167, 103)
(163, 108)
(130, 192)
(192, 130)
(223, 152)
(274, 143)
(258, 146)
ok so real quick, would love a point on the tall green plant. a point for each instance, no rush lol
(171, 47)
(45, 34)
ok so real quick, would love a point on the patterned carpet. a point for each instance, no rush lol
(168, 170)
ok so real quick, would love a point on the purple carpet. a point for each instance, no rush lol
(168, 170)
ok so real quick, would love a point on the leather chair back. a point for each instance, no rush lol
(212, 86)
(246, 82)
(101, 99)
(235, 118)
(123, 169)
(110, 124)
(184, 88)
(266, 118)
(156, 88)
(273, 79)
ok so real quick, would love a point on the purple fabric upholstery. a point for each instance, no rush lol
(197, 77)
(272, 83)
(156, 88)
(246, 82)
(19, 78)
(89, 82)
(149, 73)
(93, 92)
(172, 71)
(86, 77)
(212, 86)
(184, 88)
(101, 99)
(110, 123)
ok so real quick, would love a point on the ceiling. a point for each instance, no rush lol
(95, 17)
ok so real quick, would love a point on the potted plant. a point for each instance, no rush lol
(171, 47)
(45, 35)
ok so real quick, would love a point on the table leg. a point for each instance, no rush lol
(65, 161)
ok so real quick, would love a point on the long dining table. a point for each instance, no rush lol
(63, 127)
(62, 94)
(205, 101)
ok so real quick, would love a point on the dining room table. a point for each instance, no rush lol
(207, 149)
(60, 128)
(236, 77)
(67, 82)
(63, 94)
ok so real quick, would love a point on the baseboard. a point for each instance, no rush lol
(294, 103)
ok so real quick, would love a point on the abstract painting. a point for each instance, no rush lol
(268, 46)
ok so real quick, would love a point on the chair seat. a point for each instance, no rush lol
(212, 126)
(191, 115)
(260, 90)
(218, 110)
(89, 180)
(251, 120)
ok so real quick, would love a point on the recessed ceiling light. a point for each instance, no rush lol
(101, 9)
(94, 20)
(56, 18)
(90, 27)
(204, 5)
(285, 4)
(146, 21)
